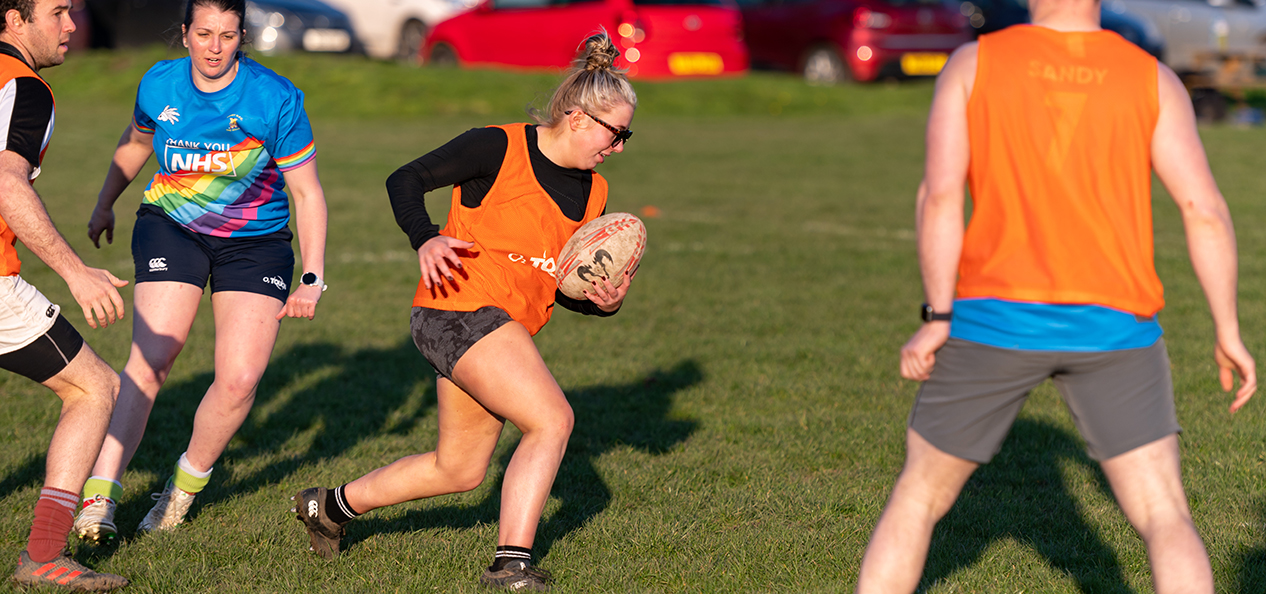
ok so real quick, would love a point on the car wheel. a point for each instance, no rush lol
(823, 66)
(443, 56)
(411, 37)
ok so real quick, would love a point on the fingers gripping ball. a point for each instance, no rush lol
(605, 247)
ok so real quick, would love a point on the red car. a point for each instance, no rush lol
(839, 40)
(658, 38)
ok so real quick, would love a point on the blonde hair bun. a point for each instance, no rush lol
(593, 83)
(598, 53)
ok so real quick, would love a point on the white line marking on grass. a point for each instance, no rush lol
(845, 230)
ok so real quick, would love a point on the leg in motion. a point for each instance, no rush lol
(1147, 482)
(246, 329)
(467, 437)
(927, 488)
(506, 374)
(88, 388)
(163, 315)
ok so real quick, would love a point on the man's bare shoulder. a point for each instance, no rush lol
(965, 52)
(1167, 79)
(960, 71)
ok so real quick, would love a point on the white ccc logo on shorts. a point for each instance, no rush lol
(158, 264)
(276, 282)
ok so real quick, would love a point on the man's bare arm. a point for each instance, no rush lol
(939, 211)
(24, 212)
(939, 220)
(1179, 160)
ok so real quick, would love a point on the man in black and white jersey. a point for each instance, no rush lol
(35, 340)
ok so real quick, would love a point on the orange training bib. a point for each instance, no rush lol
(518, 231)
(1061, 126)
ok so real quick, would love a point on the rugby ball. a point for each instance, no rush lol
(602, 248)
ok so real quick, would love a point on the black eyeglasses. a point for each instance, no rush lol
(620, 135)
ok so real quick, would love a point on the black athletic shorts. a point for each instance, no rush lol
(162, 250)
(48, 355)
(444, 336)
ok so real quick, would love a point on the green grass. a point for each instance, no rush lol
(738, 425)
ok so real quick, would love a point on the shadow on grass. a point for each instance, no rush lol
(1020, 495)
(361, 395)
(1253, 562)
(27, 474)
(607, 417)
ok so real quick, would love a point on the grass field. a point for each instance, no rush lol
(738, 424)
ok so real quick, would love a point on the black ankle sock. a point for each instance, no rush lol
(506, 554)
(337, 508)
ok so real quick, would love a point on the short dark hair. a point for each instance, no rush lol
(234, 6)
(26, 8)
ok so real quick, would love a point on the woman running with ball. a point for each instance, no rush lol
(229, 135)
(520, 191)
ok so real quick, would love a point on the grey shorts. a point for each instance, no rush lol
(1119, 400)
(444, 336)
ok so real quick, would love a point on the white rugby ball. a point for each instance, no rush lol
(603, 248)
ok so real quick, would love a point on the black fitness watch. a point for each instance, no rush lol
(929, 315)
(312, 280)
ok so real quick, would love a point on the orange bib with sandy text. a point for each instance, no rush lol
(1061, 126)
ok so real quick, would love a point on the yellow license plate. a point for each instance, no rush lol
(916, 64)
(695, 63)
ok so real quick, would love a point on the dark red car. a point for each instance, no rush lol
(658, 38)
(839, 40)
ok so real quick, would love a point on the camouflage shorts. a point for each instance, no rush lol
(444, 336)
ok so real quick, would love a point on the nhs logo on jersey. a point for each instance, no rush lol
(199, 157)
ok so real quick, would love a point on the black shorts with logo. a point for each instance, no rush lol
(162, 250)
(47, 355)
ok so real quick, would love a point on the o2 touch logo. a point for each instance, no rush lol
(544, 263)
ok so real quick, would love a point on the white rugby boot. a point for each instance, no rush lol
(168, 511)
(95, 521)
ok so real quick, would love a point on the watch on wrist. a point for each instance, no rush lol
(312, 280)
(929, 315)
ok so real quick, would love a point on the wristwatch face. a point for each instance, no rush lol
(309, 278)
(926, 312)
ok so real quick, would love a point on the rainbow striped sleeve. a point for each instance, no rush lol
(299, 159)
(142, 127)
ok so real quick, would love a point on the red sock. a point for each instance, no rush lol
(54, 517)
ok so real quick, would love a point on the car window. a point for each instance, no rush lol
(520, 3)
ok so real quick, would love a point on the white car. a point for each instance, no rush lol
(396, 28)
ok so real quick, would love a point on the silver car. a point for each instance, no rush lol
(1198, 28)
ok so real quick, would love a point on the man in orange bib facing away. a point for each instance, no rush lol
(1056, 127)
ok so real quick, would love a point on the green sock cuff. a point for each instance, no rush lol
(99, 486)
(189, 483)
